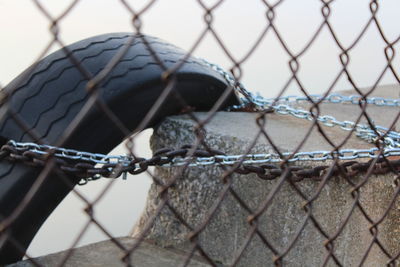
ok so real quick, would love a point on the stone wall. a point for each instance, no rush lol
(198, 188)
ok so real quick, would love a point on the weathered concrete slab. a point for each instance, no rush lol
(198, 189)
(107, 254)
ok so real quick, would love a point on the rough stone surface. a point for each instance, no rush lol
(107, 254)
(197, 189)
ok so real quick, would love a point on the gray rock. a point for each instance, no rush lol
(107, 253)
(198, 189)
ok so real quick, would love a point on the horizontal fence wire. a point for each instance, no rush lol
(62, 116)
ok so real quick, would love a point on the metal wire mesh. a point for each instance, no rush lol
(282, 174)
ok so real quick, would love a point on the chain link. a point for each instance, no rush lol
(282, 105)
(92, 166)
(199, 158)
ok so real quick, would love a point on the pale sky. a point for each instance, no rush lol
(25, 33)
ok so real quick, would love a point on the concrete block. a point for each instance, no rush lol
(198, 189)
(106, 254)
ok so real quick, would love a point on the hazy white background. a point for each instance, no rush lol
(25, 33)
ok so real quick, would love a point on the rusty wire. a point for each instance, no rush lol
(284, 173)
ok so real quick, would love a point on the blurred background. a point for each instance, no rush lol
(26, 32)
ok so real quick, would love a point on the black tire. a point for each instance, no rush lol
(49, 95)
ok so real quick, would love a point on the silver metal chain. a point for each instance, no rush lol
(72, 154)
(283, 105)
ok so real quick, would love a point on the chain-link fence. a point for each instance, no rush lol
(61, 117)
